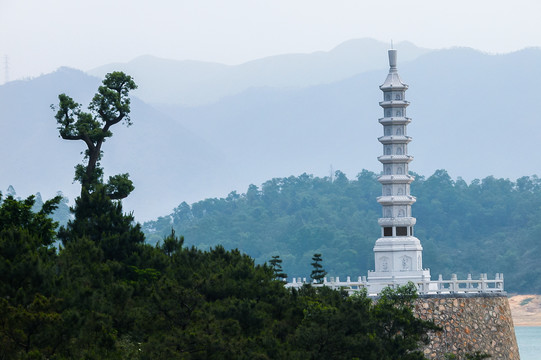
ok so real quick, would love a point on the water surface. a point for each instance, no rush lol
(529, 342)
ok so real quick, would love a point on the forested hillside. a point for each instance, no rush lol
(487, 226)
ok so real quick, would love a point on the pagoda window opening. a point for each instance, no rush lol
(387, 231)
(401, 231)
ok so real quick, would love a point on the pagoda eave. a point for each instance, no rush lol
(394, 120)
(396, 200)
(395, 159)
(394, 139)
(395, 179)
(398, 221)
(392, 103)
(397, 87)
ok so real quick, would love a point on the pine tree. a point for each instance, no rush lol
(98, 211)
(276, 264)
(110, 105)
(318, 274)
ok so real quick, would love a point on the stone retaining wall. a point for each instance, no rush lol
(471, 322)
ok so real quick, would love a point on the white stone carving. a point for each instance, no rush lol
(384, 264)
(406, 262)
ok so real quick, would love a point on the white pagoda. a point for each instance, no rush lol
(398, 254)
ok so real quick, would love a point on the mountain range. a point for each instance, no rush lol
(193, 83)
(202, 130)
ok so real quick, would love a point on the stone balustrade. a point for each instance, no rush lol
(426, 286)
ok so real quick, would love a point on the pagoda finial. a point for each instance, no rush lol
(392, 59)
(392, 44)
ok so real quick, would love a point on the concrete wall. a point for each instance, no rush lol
(470, 322)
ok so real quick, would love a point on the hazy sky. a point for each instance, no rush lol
(38, 36)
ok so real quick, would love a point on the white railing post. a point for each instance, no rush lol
(483, 283)
(426, 284)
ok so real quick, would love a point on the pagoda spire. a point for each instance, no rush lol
(396, 200)
(398, 254)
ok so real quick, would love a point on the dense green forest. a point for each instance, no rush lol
(487, 226)
(107, 294)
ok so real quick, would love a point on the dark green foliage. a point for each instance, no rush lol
(276, 264)
(175, 302)
(172, 244)
(28, 308)
(293, 217)
(100, 219)
(318, 273)
(18, 215)
(28, 330)
(397, 329)
(119, 186)
(25, 248)
(487, 226)
(337, 326)
(110, 105)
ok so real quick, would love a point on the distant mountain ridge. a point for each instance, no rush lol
(468, 110)
(473, 114)
(193, 83)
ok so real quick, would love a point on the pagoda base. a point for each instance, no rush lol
(398, 259)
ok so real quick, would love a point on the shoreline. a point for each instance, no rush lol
(525, 310)
(527, 325)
